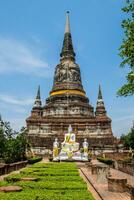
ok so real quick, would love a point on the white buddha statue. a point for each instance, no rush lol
(55, 148)
(69, 143)
(85, 147)
(70, 129)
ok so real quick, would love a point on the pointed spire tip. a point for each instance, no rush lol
(38, 103)
(100, 93)
(67, 28)
(38, 92)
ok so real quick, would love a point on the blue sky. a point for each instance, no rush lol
(31, 35)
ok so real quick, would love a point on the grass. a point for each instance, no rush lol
(56, 181)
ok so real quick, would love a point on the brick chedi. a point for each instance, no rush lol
(67, 105)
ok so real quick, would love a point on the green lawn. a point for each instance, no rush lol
(56, 181)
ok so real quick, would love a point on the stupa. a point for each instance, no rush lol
(68, 104)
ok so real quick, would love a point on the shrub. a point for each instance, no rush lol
(13, 178)
(30, 194)
(53, 185)
(34, 160)
(105, 160)
(51, 173)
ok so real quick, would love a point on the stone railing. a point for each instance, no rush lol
(124, 167)
(7, 168)
(117, 155)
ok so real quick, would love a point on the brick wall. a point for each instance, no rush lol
(7, 168)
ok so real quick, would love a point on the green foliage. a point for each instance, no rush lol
(16, 149)
(12, 145)
(105, 160)
(17, 177)
(53, 185)
(51, 173)
(2, 143)
(128, 140)
(34, 160)
(8, 131)
(53, 165)
(13, 178)
(61, 187)
(127, 49)
(30, 194)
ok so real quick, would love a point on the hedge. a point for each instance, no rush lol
(17, 177)
(34, 160)
(47, 195)
(55, 183)
(105, 160)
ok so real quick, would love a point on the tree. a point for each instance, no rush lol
(2, 143)
(128, 139)
(13, 145)
(16, 149)
(127, 49)
(8, 131)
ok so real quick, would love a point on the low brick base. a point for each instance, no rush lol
(131, 190)
(116, 184)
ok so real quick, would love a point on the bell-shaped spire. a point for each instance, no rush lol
(100, 107)
(67, 48)
(38, 103)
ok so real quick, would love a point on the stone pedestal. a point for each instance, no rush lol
(116, 184)
(11, 188)
(94, 169)
(102, 174)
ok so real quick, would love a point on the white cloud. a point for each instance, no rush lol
(124, 118)
(20, 110)
(16, 56)
(12, 100)
(122, 125)
(17, 123)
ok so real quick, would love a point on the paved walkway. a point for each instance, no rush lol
(102, 189)
(90, 187)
